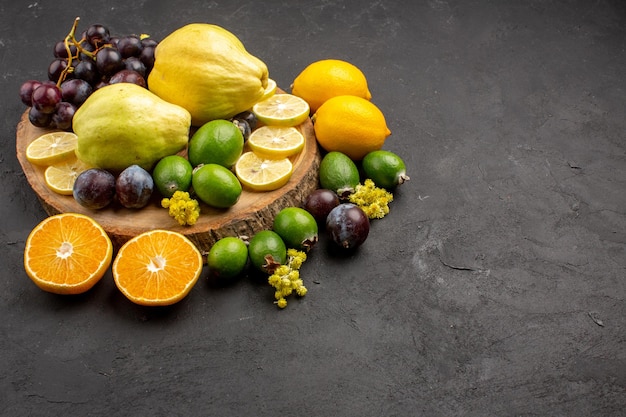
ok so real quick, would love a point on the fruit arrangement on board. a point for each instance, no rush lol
(195, 121)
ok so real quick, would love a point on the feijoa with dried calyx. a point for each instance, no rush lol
(297, 227)
(339, 173)
(267, 251)
(385, 168)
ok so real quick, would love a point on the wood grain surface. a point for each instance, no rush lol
(253, 212)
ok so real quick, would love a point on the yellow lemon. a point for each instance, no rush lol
(282, 110)
(351, 125)
(328, 78)
(276, 142)
(270, 90)
(260, 174)
(51, 148)
(60, 177)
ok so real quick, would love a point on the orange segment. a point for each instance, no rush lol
(67, 253)
(157, 268)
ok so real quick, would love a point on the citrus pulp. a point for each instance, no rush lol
(157, 268)
(67, 253)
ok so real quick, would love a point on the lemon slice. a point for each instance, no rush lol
(51, 148)
(282, 110)
(60, 177)
(260, 174)
(270, 90)
(276, 142)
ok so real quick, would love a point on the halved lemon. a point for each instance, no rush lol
(282, 110)
(270, 90)
(60, 177)
(276, 142)
(261, 174)
(51, 148)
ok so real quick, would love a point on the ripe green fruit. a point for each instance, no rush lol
(297, 227)
(227, 258)
(171, 174)
(385, 168)
(124, 124)
(216, 186)
(216, 142)
(338, 173)
(267, 250)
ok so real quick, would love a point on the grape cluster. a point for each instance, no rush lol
(81, 66)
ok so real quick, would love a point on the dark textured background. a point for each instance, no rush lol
(476, 296)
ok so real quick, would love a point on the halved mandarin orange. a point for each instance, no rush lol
(157, 268)
(67, 253)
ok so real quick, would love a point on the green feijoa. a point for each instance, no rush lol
(267, 250)
(227, 258)
(297, 227)
(216, 142)
(171, 174)
(338, 173)
(216, 186)
(385, 168)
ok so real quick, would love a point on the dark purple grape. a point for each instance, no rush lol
(76, 91)
(46, 97)
(249, 117)
(26, 91)
(38, 118)
(347, 225)
(109, 61)
(60, 50)
(149, 42)
(147, 57)
(100, 84)
(56, 68)
(86, 70)
(134, 187)
(94, 188)
(63, 115)
(320, 202)
(97, 35)
(244, 127)
(113, 40)
(128, 76)
(129, 46)
(134, 64)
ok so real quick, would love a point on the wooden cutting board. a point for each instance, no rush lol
(253, 212)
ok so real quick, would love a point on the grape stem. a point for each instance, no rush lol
(70, 40)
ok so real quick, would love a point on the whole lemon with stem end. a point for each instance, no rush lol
(350, 125)
(329, 78)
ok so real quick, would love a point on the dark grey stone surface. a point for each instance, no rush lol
(496, 286)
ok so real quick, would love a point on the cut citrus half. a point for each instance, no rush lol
(276, 142)
(157, 268)
(261, 174)
(282, 110)
(60, 177)
(270, 90)
(51, 148)
(67, 253)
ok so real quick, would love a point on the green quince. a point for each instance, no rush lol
(124, 124)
